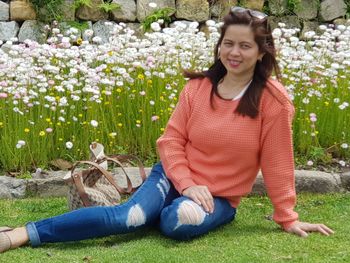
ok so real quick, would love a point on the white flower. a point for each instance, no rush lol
(310, 163)
(94, 123)
(342, 163)
(344, 145)
(151, 102)
(69, 145)
(210, 23)
(155, 27)
(322, 27)
(152, 5)
(20, 143)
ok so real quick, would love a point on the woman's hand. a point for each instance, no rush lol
(302, 229)
(200, 195)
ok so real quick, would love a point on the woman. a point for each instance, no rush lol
(231, 121)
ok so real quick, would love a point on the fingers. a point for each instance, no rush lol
(201, 196)
(301, 229)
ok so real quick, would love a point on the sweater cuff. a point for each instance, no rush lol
(183, 184)
(286, 225)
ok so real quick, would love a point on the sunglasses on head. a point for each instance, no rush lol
(253, 13)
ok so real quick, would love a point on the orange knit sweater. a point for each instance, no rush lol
(224, 151)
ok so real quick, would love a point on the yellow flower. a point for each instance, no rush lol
(138, 121)
(57, 98)
(107, 70)
(41, 133)
(326, 103)
(119, 90)
(79, 41)
(1, 123)
(110, 53)
(141, 76)
(119, 114)
(80, 115)
(149, 81)
(48, 119)
(60, 139)
(58, 124)
(26, 130)
(140, 110)
(97, 140)
(107, 103)
(161, 129)
(68, 122)
(120, 124)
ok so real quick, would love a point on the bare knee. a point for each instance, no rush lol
(187, 213)
(136, 216)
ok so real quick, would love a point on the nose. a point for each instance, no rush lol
(235, 51)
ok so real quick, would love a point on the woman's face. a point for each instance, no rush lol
(239, 52)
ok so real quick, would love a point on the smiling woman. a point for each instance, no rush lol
(211, 152)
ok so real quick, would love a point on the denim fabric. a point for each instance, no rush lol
(156, 198)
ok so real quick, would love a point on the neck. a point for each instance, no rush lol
(236, 81)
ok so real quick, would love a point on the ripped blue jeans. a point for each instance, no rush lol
(155, 202)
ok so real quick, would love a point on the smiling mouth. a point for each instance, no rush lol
(234, 63)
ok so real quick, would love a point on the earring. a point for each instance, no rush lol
(218, 53)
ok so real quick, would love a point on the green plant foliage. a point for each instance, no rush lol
(107, 7)
(80, 3)
(79, 25)
(48, 10)
(162, 13)
(292, 5)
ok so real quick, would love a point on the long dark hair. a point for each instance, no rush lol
(249, 104)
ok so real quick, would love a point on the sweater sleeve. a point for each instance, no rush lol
(171, 145)
(277, 165)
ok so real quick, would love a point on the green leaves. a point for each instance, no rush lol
(163, 13)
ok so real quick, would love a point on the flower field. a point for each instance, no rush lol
(56, 98)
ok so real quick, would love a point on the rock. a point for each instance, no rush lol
(47, 187)
(144, 10)
(307, 9)
(341, 21)
(195, 10)
(12, 188)
(8, 30)
(127, 11)
(21, 10)
(310, 26)
(316, 182)
(278, 7)
(33, 30)
(68, 11)
(4, 11)
(331, 9)
(93, 13)
(345, 180)
(290, 21)
(222, 8)
(306, 181)
(103, 30)
(254, 4)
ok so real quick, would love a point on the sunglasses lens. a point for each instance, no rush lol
(253, 13)
(258, 14)
(238, 9)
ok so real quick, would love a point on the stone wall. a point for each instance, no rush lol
(18, 17)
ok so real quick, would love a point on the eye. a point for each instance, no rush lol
(228, 44)
(245, 46)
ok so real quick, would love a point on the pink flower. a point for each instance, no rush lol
(49, 130)
(3, 95)
(155, 118)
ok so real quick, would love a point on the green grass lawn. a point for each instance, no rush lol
(250, 238)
